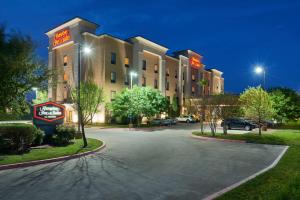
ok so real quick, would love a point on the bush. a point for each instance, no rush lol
(63, 134)
(16, 138)
(38, 136)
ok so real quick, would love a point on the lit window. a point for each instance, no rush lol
(113, 77)
(65, 60)
(65, 76)
(113, 58)
(193, 77)
(126, 62)
(112, 95)
(155, 68)
(144, 64)
(193, 89)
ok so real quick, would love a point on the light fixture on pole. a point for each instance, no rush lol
(261, 70)
(86, 50)
(132, 74)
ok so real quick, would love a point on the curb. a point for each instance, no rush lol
(50, 160)
(235, 185)
(131, 129)
(217, 139)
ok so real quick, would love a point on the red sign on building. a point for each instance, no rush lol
(61, 37)
(49, 112)
(195, 62)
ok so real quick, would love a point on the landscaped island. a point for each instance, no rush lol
(281, 182)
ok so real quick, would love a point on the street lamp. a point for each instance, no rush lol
(85, 50)
(261, 70)
(132, 74)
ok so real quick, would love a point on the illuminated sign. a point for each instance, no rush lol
(195, 62)
(49, 112)
(61, 37)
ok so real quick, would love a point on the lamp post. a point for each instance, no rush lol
(132, 74)
(86, 50)
(261, 70)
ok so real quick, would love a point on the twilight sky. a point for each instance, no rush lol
(232, 35)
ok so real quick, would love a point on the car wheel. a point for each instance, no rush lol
(247, 128)
(187, 121)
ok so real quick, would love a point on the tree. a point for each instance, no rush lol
(286, 104)
(173, 107)
(20, 70)
(139, 102)
(42, 96)
(257, 105)
(202, 83)
(91, 96)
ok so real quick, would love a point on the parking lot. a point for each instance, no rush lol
(159, 164)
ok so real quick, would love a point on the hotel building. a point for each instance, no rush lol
(112, 59)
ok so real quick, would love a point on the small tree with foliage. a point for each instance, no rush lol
(42, 97)
(91, 97)
(257, 105)
(139, 102)
(286, 103)
(173, 107)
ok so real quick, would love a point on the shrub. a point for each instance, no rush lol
(16, 138)
(38, 136)
(63, 135)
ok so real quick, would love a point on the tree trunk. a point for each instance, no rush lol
(225, 129)
(83, 136)
(201, 127)
(259, 129)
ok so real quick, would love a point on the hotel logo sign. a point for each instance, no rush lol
(61, 37)
(195, 62)
(49, 112)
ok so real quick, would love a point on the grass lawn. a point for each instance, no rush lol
(281, 182)
(51, 152)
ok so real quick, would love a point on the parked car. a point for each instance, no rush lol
(186, 118)
(171, 121)
(157, 122)
(236, 123)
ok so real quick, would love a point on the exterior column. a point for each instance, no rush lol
(50, 67)
(162, 76)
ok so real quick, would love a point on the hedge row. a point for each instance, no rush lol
(18, 138)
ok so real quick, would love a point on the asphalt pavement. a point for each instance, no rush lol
(162, 164)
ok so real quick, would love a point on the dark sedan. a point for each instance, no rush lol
(237, 123)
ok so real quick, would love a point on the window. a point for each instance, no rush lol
(113, 58)
(176, 87)
(65, 76)
(144, 81)
(112, 95)
(167, 72)
(193, 89)
(155, 68)
(183, 89)
(155, 83)
(176, 73)
(113, 77)
(65, 60)
(183, 76)
(167, 85)
(144, 64)
(126, 62)
(193, 77)
(70, 116)
(126, 81)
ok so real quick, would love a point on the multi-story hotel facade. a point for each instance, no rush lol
(111, 61)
